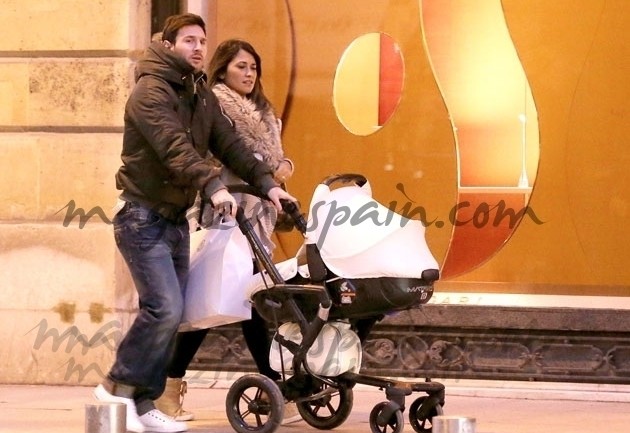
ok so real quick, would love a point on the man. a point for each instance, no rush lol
(171, 122)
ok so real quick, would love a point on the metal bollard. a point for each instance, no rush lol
(453, 424)
(106, 418)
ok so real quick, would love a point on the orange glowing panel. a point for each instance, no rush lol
(391, 72)
(484, 87)
(494, 121)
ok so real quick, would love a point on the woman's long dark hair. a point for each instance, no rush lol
(225, 52)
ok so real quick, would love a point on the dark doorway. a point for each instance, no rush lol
(160, 10)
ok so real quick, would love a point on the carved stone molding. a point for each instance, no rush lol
(474, 342)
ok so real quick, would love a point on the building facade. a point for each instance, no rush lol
(66, 69)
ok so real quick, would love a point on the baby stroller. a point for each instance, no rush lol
(360, 261)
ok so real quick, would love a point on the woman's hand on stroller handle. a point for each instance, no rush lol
(277, 195)
(282, 200)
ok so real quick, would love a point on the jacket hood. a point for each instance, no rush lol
(162, 62)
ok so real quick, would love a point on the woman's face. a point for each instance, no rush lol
(241, 73)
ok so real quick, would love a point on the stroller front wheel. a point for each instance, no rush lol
(393, 424)
(423, 423)
(254, 403)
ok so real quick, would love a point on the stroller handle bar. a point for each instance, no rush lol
(289, 207)
(259, 250)
(358, 179)
(257, 246)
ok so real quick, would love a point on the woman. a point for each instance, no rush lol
(234, 75)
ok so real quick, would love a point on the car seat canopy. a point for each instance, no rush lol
(358, 237)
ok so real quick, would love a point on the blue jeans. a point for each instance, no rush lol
(157, 252)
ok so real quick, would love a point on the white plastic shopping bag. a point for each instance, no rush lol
(220, 270)
(336, 350)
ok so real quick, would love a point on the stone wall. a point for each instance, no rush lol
(65, 69)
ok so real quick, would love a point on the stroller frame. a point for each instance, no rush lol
(255, 403)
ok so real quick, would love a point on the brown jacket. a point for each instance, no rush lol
(172, 120)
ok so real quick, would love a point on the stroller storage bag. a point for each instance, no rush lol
(336, 350)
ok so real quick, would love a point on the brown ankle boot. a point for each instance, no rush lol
(172, 400)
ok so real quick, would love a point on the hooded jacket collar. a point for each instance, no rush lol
(164, 63)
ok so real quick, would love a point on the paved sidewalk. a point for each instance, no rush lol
(497, 407)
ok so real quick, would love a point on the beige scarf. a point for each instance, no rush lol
(259, 130)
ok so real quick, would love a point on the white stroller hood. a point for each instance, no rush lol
(359, 238)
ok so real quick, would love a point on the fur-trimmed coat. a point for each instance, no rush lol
(260, 131)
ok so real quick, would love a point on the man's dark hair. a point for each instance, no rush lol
(176, 22)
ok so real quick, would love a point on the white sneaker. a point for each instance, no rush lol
(156, 421)
(133, 420)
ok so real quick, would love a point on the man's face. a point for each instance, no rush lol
(190, 44)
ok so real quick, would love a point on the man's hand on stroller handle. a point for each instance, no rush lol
(276, 194)
(224, 203)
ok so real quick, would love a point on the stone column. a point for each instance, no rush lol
(65, 74)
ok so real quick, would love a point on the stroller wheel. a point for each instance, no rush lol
(254, 403)
(394, 424)
(423, 423)
(330, 409)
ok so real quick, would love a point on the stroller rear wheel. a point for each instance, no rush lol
(329, 409)
(254, 403)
